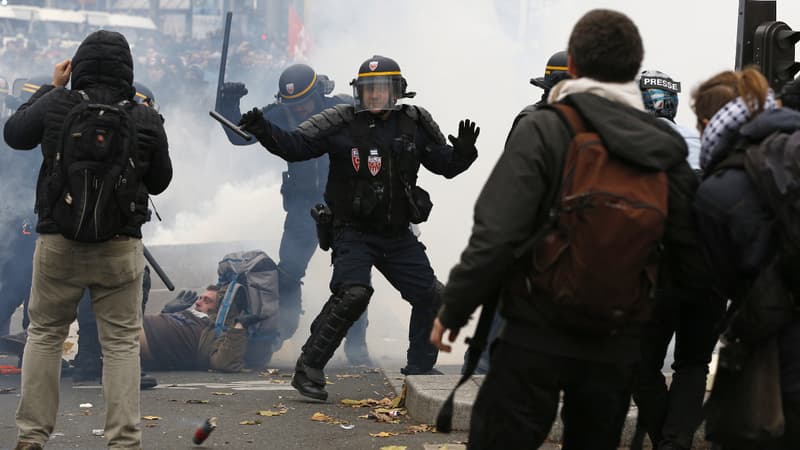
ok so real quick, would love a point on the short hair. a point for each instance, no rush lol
(605, 45)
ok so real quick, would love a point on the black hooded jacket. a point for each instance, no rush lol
(513, 203)
(103, 68)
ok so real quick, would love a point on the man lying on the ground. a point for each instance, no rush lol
(185, 339)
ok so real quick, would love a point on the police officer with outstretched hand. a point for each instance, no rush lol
(302, 92)
(375, 148)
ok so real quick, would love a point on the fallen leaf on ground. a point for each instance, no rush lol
(422, 428)
(270, 413)
(319, 417)
(394, 447)
(348, 375)
(197, 401)
(224, 393)
(400, 400)
(151, 417)
(383, 434)
(269, 372)
(150, 425)
(250, 422)
(367, 402)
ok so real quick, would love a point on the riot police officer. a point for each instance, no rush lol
(301, 93)
(375, 147)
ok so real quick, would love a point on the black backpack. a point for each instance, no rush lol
(95, 171)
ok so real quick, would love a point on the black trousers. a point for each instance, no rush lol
(519, 398)
(674, 415)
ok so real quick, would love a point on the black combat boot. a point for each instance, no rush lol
(309, 381)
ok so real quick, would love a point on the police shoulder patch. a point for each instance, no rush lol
(327, 122)
(423, 117)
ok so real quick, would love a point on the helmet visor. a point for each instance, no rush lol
(378, 93)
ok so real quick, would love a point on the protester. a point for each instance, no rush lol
(573, 328)
(104, 250)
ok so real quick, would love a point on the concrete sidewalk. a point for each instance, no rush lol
(425, 395)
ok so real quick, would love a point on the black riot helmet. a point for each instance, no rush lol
(554, 71)
(298, 83)
(144, 95)
(379, 86)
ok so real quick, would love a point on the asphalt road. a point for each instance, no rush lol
(183, 400)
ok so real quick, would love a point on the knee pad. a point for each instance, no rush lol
(353, 301)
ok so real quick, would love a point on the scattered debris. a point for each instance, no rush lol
(347, 426)
(224, 393)
(421, 428)
(383, 434)
(98, 432)
(394, 447)
(368, 402)
(348, 375)
(320, 417)
(400, 400)
(86, 405)
(151, 417)
(197, 402)
(250, 422)
(271, 413)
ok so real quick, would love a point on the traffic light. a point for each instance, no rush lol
(774, 52)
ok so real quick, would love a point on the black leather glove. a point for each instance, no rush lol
(254, 123)
(233, 91)
(183, 300)
(464, 144)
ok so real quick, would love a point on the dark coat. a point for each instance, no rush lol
(103, 68)
(514, 202)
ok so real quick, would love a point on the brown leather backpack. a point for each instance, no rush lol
(596, 263)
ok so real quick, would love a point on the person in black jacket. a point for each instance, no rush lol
(745, 240)
(536, 357)
(375, 148)
(102, 70)
(301, 94)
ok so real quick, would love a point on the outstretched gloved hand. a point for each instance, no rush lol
(183, 300)
(253, 122)
(464, 144)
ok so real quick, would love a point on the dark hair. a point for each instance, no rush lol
(605, 45)
(714, 93)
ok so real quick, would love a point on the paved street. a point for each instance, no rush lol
(184, 399)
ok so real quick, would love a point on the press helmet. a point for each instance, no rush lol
(659, 93)
(379, 72)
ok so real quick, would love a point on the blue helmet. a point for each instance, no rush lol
(659, 93)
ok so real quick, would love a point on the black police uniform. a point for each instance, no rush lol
(303, 187)
(374, 160)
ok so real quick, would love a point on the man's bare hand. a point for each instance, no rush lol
(437, 333)
(61, 73)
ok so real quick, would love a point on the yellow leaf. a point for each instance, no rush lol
(269, 413)
(419, 428)
(394, 447)
(383, 434)
(400, 400)
(319, 417)
(250, 422)
(151, 418)
(347, 375)
(224, 393)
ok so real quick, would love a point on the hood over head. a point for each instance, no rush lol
(103, 60)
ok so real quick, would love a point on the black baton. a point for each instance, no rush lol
(161, 274)
(231, 126)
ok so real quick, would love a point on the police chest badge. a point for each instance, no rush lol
(355, 158)
(374, 162)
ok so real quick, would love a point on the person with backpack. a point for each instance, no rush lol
(102, 156)
(302, 92)
(376, 147)
(746, 210)
(671, 415)
(590, 194)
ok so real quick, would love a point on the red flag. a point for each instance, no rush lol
(298, 42)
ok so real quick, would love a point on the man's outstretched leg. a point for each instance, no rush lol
(327, 332)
